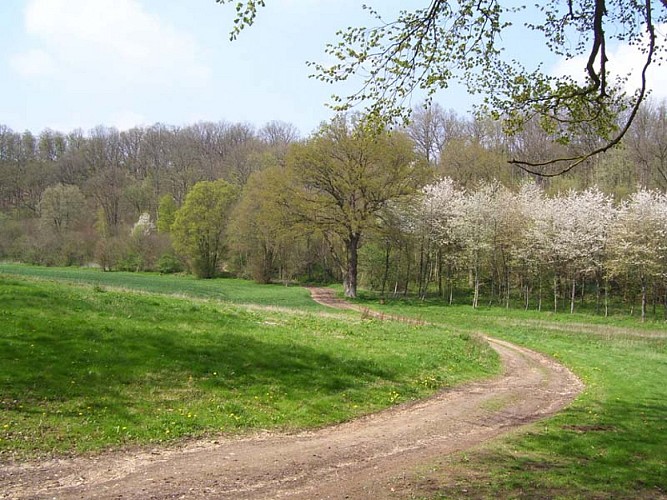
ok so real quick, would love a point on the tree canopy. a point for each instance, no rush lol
(199, 226)
(344, 177)
(429, 48)
(481, 234)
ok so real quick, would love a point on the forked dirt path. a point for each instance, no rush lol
(359, 459)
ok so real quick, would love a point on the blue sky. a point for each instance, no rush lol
(67, 64)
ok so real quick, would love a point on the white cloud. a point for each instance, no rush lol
(623, 60)
(113, 42)
(33, 63)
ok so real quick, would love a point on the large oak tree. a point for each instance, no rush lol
(343, 178)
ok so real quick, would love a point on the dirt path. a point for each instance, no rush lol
(359, 459)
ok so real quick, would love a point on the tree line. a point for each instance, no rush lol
(544, 252)
(345, 204)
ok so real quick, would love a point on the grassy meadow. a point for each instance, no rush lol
(234, 291)
(92, 360)
(85, 367)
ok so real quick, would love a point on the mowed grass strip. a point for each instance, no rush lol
(610, 443)
(236, 291)
(84, 369)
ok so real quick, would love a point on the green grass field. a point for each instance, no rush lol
(84, 368)
(610, 443)
(228, 290)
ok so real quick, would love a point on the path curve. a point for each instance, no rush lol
(358, 459)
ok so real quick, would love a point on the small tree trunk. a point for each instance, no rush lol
(450, 280)
(539, 296)
(572, 297)
(555, 293)
(350, 280)
(475, 298)
(421, 275)
(507, 288)
(606, 298)
(398, 274)
(597, 295)
(385, 276)
(407, 272)
(643, 300)
(429, 275)
(441, 291)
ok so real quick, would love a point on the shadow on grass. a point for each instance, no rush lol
(113, 352)
(619, 454)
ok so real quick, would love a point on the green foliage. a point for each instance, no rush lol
(169, 264)
(101, 225)
(270, 240)
(245, 14)
(199, 226)
(85, 368)
(130, 262)
(166, 213)
(344, 177)
(261, 229)
(373, 256)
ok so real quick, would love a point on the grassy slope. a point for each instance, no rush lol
(84, 368)
(611, 442)
(227, 290)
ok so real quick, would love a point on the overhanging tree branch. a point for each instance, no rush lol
(459, 41)
(574, 161)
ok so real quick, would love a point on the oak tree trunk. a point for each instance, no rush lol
(350, 280)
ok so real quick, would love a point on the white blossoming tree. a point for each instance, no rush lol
(435, 213)
(638, 242)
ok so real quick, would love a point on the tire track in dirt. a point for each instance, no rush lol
(357, 459)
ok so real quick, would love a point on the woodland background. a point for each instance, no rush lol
(467, 227)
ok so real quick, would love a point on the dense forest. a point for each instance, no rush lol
(433, 209)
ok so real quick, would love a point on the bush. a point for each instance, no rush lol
(131, 262)
(169, 264)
